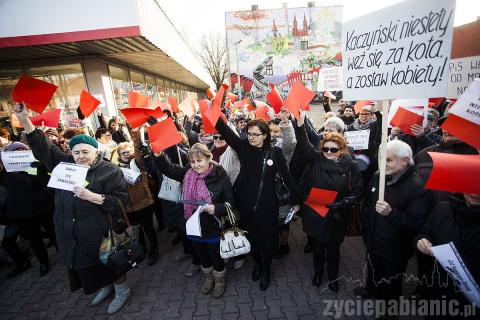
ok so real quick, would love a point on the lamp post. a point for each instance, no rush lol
(238, 70)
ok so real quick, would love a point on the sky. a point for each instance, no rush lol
(209, 15)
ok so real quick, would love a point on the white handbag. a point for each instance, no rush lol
(170, 189)
(233, 241)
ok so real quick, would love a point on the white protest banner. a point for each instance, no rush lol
(130, 175)
(329, 79)
(468, 105)
(358, 140)
(463, 120)
(419, 106)
(401, 51)
(450, 260)
(66, 175)
(462, 72)
(15, 161)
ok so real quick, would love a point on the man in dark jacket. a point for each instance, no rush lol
(456, 220)
(390, 225)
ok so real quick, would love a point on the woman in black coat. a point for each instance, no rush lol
(456, 220)
(331, 168)
(82, 217)
(255, 191)
(204, 181)
(28, 207)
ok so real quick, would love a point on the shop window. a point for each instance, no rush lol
(120, 86)
(162, 95)
(8, 79)
(70, 82)
(151, 88)
(138, 82)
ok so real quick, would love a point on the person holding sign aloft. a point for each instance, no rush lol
(389, 225)
(330, 169)
(205, 184)
(82, 214)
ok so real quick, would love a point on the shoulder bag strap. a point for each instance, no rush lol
(124, 213)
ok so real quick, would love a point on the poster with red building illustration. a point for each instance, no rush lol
(283, 46)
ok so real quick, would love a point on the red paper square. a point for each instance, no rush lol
(464, 130)
(137, 100)
(318, 199)
(48, 119)
(88, 103)
(455, 173)
(34, 92)
(163, 135)
(173, 103)
(207, 126)
(298, 98)
(404, 119)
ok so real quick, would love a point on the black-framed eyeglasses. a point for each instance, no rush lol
(242, 121)
(331, 150)
(125, 153)
(217, 137)
(252, 134)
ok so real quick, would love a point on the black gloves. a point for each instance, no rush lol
(144, 151)
(343, 203)
(151, 120)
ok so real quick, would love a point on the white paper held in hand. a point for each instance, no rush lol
(193, 223)
(66, 175)
(15, 161)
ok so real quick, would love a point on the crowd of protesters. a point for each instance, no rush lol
(242, 164)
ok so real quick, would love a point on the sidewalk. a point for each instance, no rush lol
(163, 292)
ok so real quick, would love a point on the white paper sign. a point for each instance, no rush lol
(450, 260)
(468, 105)
(402, 51)
(419, 106)
(462, 72)
(193, 223)
(130, 175)
(358, 140)
(15, 161)
(66, 175)
(330, 79)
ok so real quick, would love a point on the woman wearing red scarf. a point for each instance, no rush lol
(204, 181)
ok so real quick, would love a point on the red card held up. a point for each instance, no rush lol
(360, 104)
(138, 116)
(173, 103)
(137, 100)
(318, 199)
(274, 98)
(298, 98)
(207, 126)
(404, 119)
(262, 111)
(34, 92)
(454, 173)
(88, 103)
(188, 106)
(330, 95)
(463, 129)
(163, 135)
(210, 93)
(48, 119)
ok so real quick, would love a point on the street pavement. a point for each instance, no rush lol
(162, 291)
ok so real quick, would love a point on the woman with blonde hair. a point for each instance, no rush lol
(331, 168)
(204, 183)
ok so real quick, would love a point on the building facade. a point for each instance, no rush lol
(107, 47)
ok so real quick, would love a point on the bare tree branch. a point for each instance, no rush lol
(212, 53)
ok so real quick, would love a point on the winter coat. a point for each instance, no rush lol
(27, 195)
(79, 224)
(455, 221)
(342, 176)
(254, 189)
(391, 236)
(219, 186)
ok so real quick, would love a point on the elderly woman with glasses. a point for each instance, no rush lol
(254, 191)
(331, 168)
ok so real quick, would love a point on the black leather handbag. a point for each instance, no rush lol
(281, 189)
(127, 253)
